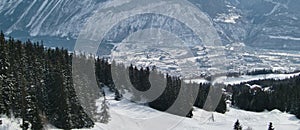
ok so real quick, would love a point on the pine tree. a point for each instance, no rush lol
(104, 114)
(87, 90)
(3, 74)
(29, 88)
(16, 75)
(271, 126)
(237, 125)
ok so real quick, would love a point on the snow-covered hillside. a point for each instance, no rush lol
(128, 115)
(46, 18)
(248, 78)
(244, 78)
(56, 22)
(259, 23)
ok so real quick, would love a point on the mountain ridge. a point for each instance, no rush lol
(258, 23)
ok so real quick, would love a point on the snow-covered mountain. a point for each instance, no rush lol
(256, 34)
(260, 23)
(57, 22)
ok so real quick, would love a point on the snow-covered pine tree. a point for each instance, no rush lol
(88, 91)
(104, 114)
(3, 74)
(29, 89)
(15, 75)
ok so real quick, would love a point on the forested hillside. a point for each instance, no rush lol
(38, 85)
(139, 78)
(268, 94)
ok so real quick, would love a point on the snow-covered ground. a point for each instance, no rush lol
(247, 78)
(243, 78)
(10, 124)
(126, 115)
(228, 18)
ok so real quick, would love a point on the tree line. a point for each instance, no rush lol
(173, 87)
(283, 95)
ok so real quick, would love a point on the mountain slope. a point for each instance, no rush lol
(128, 115)
(54, 21)
(259, 23)
(51, 18)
